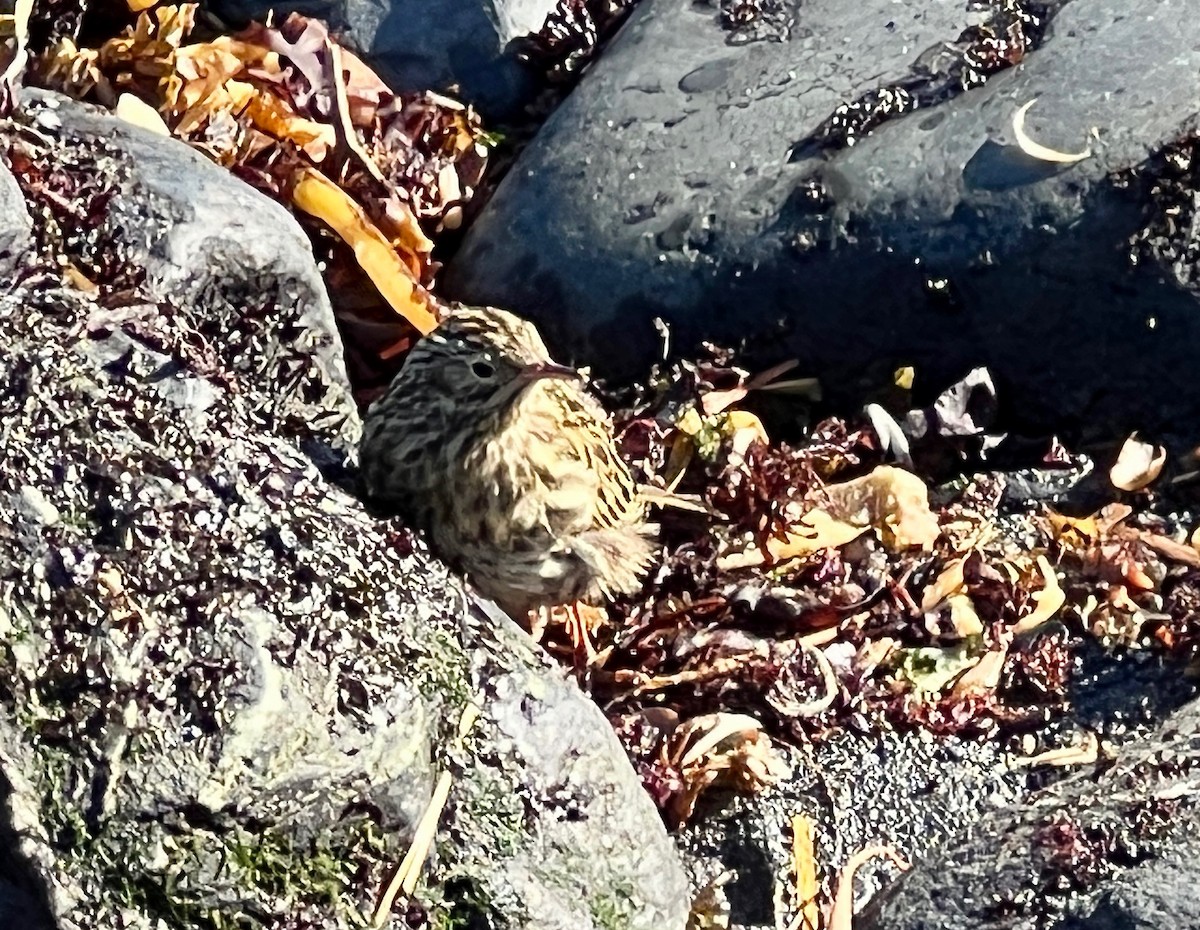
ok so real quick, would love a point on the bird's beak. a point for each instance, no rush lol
(537, 372)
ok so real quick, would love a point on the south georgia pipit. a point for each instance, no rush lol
(507, 463)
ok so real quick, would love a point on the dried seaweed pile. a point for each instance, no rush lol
(287, 109)
(817, 586)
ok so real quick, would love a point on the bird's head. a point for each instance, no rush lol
(481, 359)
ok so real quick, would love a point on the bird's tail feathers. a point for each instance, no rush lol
(617, 558)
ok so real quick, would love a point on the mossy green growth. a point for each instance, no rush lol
(612, 908)
(267, 871)
(271, 862)
(441, 675)
(321, 871)
(495, 816)
(239, 879)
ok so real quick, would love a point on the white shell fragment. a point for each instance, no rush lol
(1137, 465)
(1036, 149)
(135, 110)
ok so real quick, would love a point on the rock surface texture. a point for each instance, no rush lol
(228, 691)
(909, 790)
(1107, 850)
(923, 793)
(426, 44)
(697, 174)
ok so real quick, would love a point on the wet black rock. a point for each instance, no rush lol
(419, 45)
(1112, 848)
(227, 689)
(708, 177)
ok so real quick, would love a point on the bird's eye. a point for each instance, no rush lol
(482, 370)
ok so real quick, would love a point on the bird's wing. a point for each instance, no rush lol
(588, 439)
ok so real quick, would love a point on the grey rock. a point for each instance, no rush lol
(920, 793)
(16, 239)
(418, 45)
(905, 789)
(228, 689)
(33, 504)
(187, 232)
(577, 777)
(1113, 848)
(679, 180)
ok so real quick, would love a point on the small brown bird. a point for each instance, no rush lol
(509, 465)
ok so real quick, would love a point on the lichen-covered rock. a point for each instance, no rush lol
(160, 219)
(228, 690)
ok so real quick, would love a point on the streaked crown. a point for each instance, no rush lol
(478, 359)
(483, 330)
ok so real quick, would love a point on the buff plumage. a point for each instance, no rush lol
(507, 463)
